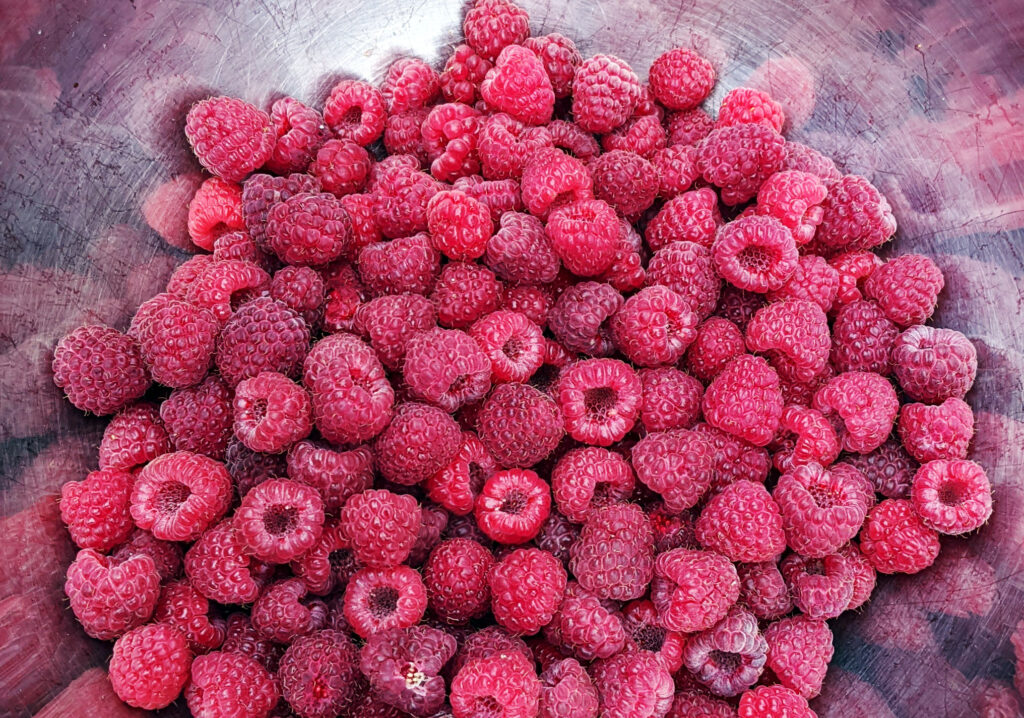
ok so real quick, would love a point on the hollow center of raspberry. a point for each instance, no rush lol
(514, 503)
(822, 496)
(413, 676)
(258, 409)
(477, 477)
(755, 259)
(460, 385)
(650, 638)
(280, 519)
(725, 661)
(513, 348)
(487, 707)
(340, 560)
(171, 496)
(353, 115)
(383, 601)
(951, 493)
(815, 568)
(600, 400)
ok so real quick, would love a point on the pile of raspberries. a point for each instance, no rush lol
(521, 390)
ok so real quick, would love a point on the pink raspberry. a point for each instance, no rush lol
(512, 506)
(335, 474)
(671, 399)
(309, 228)
(806, 437)
(149, 666)
(355, 111)
(863, 408)
(614, 555)
(198, 418)
(231, 138)
(526, 590)
(183, 607)
(342, 167)
(584, 626)
(381, 527)
(691, 704)
(641, 136)
(624, 180)
(644, 633)
(854, 269)
(227, 684)
(459, 225)
(178, 496)
(329, 564)
(176, 339)
(889, 469)
(262, 192)
(654, 327)
(263, 335)
(110, 598)
(505, 144)
(813, 280)
(739, 159)
(449, 136)
(687, 269)
(215, 209)
(822, 509)
(578, 143)
(499, 196)
(600, 400)
(906, 288)
(745, 400)
(402, 134)
(301, 289)
(632, 685)
(391, 321)
(239, 245)
(381, 598)
(589, 477)
(319, 674)
(626, 272)
(410, 83)
(952, 496)
(744, 106)
(400, 196)
(581, 318)
(671, 529)
(690, 217)
(934, 364)
(689, 127)
(279, 520)
(99, 369)
(299, 131)
(96, 510)
(560, 58)
(551, 178)
(488, 642)
(584, 235)
(729, 657)
(718, 342)
(226, 284)
(856, 216)
(794, 334)
(807, 159)
(896, 540)
(218, 567)
(403, 667)
(419, 442)
(936, 432)
(735, 459)
(799, 651)
(755, 253)
(678, 465)
(862, 339)
(519, 425)
(491, 25)
(763, 590)
(774, 702)
(743, 522)
(446, 367)
(793, 198)
(271, 412)
(822, 588)
(567, 691)
(465, 292)
(503, 685)
(513, 343)
(521, 251)
(455, 576)
(681, 79)
(519, 85)
(456, 486)
(134, 437)
(693, 590)
(605, 90)
(677, 170)
(463, 72)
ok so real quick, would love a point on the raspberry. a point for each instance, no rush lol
(744, 106)
(446, 367)
(677, 170)
(556, 537)
(671, 399)
(654, 327)
(632, 685)
(854, 269)
(301, 289)
(798, 393)
(226, 684)
(584, 235)
(738, 305)
(822, 587)
(261, 193)
(218, 568)
(678, 465)
(178, 496)
(812, 280)
(463, 72)
(319, 674)
(355, 111)
(743, 522)
(689, 127)
(763, 590)
(341, 166)
(499, 196)
(687, 269)
(586, 478)
(282, 613)
(456, 486)
(795, 336)
(198, 418)
(299, 131)
(150, 666)
(231, 138)
(403, 667)
(582, 315)
(624, 180)
(906, 288)
(605, 91)
(793, 198)
(408, 264)
(459, 225)
(336, 475)
(937, 432)
(862, 406)
(279, 520)
(856, 217)
(735, 459)
(419, 442)
(693, 590)
(671, 529)
(449, 136)
(186, 609)
(718, 342)
(381, 527)
(455, 576)
(807, 159)
(573, 141)
(502, 685)
(774, 702)
(863, 575)
(225, 285)
(745, 400)
(271, 412)
(464, 293)
(491, 25)
(186, 273)
(519, 85)
(642, 136)
(519, 425)
(806, 437)
(526, 590)
(175, 339)
(600, 400)
(862, 339)
(822, 509)
(534, 302)
(400, 196)
(133, 437)
(111, 598)
(352, 398)
(681, 79)
(799, 651)
(933, 364)
(567, 691)
(560, 59)
(308, 228)
(402, 134)
(328, 564)
(488, 642)
(96, 509)
(551, 179)
(690, 217)
(216, 209)
(690, 704)
(729, 657)
(896, 540)
(614, 555)
(644, 633)
(952, 496)
(512, 506)
(239, 245)
(755, 253)
(514, 345)
(584, 626)
(391, 321)
(739, 159)
(99, 369)
(409, 84)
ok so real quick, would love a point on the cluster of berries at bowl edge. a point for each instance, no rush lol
(473, 403)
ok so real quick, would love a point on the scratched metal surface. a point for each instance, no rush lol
(924, 97)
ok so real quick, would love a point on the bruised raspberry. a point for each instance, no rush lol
(567, 691)
(309, 229)
(262, 192)
(446, 367)
(677, 170)
(400, 196)
(403, 666)
(456, 486)
(222, 683)
(889, 469)
(633, 684)
(624, 180)
(334, 473)
(734, 458)
(402, 135)
(499, 196)
(215, 210)
(502, 685)
(319, 673)
(581, 318)
(263, 335)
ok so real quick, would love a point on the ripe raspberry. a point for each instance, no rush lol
(513, 343)
(626, 273)
(745, 400)
(582, 315)
(403, 667)
(738, 305)
(864, 576)
(499, 196)
(691, 704)
(689, 127)
(491, 25)
(644, 633)
(671, 529)
(687, 269)
(198, 418)
(743, 522)
(584, 626)
(218, 567)
(854, 269)
(763, 590)
(654, 327)
(99, 369)
(755, 253)
(862, 339)
(600, 400)
(455, 576)
(671, 399)
(681, 79)
(937, 432)
(519, 425)
(798, 393)
(133, 437)
(952, 496)
(402, 134)
(614, 555)
(111, 598)
(225, 285)
(335, 474)
(355, 111)
(319, 674)
(729, 657)
(933, 364)
(186, 609)
(302, 290)
(186, 273)
(239, 245)
(352, 398)
(342, 167)
(446, 367)
(806, 437)
(526, 590)
(456, 486)
(640, 137)
(279, 520)
(793, 198)
(896, 540)
(678, 465)
(822, 588)
(463, 72)
(746, 106)
(677, 170)
(807, 159)
(488, 642)
(391, 321)
(465, 292)
(735, 459)
(625, 181)
(534, 302)
(739, 159)
(226, 684)
(262, 192)
(512, 506)
(794, 334)
(216, 209)
(633, 685)
(813, 280)
(519, 85)
(459, 225)
(449, 136)
(96, 509)
(231, 138)
(551, 179)
(822, 509)
(150, 666)
(560, 58)
(774, 702)
(856, 217)
(906, 288)
(409, 84)
(690, 217)
(862, 407)
(502, 685)
(271, 412)
(589, 477)
(556, 537)
(299, 131)
(567, 691)
(605, 90)
(381, 527)
(693, 590)
(585, 236)
(178, 496)
(282, 613)
(309, 228)
(408, 264)
(328, 564)
(175, 338)
(573, 141)
(400, 196)
(799, 651)
(419, 442)
(718, 342)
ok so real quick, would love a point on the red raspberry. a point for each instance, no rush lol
(774, 702)
(225, 684)
(150, 666)
(807, 159)
(584, 626)
(743, 522)
(239, 245)
(512, 506)
(226, 284)
(176, 339)
(627, 273)
(677, 170)
(309, 228)
(198, 418)
(381, 527)
(463, 72)
(111, 598)
(402, 134)
(763, 590)
(534, 302)
(896, 540)
(585, 236)
(671, 529)
(446, 367)
(502, 685)
(455, 576)
(551, 179)
(864, 576)
(642, 136)
(573, 140)
(419, 442)
(319, 674)
(328, 564)
(933, 364)
(491, 25)
(282, 613)
(355, 111)
(449, 136)
(755, 253)
(408, 264)
(678, 465)
(488, 642)
(186, 273)
(654, 327)
(906, 288)
(624, 180)
(352, 398)
(718, 342)
(937, 432)
(400, 196)
(589, 477)
(465, 292)
(729, 657)
(806, 437)
(519, 425)
(456, 486)
(691, 217)
(567, 691)
(693, 590)
(671, 399)
(795, 336)
(391, 321)
(799, 651)
(218, 567)
(514, 345)
(403, 667)
(739, 159)
(96, 509)
(813, 280)
(690, 704)
(605, 90)
(299, 131)
(644, 633)
(582, 316)
(271, 412)
(459, 225)
(261, 193)
(687, 269)
(409, 84)
(302, 290)
(856, 216)
(793, 198)
(279, 520)
(215, 209)
(99, 369)
(822, 587)
(735, 459)
(614, 555)
(178, 496)
(559, 57)
(519, 85)
(600, 400)
(689, 127)
(862, 339)
(822, 509)
(337, 475)
(186, 609)
(745, 400)
(499, 196)
(952, 496)
(526, 590)
(681, 79)
(342, 167)
(263, 335)
(231, 138)
(744, 106)
(854, 268)
(133, 437)
(862, 407)
(633, 685)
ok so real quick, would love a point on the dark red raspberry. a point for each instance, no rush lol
(261, 193)
(744, 106)
(391, 321)
(774, 702)
(806, 437)
(381, 527)
(403, 667)
(215, 209)
(231, 138)
(99, 369)
(463, 72)
(519, 85)
(381, 598)
(263, 335)
(514, 345)
(400, 196)
(186, 273)
(302, 289)
(551, 178)
(96, 509)
(745, 400)
(299, 131)
(176, 339)
(822, 587)
(738, 305)
(408, 264)
(178, 496)
(605, 90)
(218, 567)
(856, 216)
(341, 166)
(626, 272)
(419, 442)
(409, 84)
(735, 459)
(691, 217)
(641, 135)
(319, 674)
(718, 341)
(600, 400)
(755, 253)
(186, 609)
(505, 144)
(585, 236)
(895, 539)
(465, 292)
(504, 685)
(581, 318)
(227, 684)
(889, 469)
(729, 657)
(906, 288)
(198, 418)
(110, 598)
(446, 367)
(863, 408)
(309, 228)
(802, 393)
(681, 79)
(813, 280)
(487, 642)
(624, 180)
(654, 327)
(934, 364)
(526, 590)
(556, 537)
(763, 590)
(743, 522)
(449, 136)
(739, 159)
(512, 506)
(677, 170)
(689, 127)
(133, 437)
(337, 475)
(952, 496)
(455, 576)
(614, 555)
(687, 269)
(807, 159)
(937, 432)
(150, 666)
(499, 196)
(799, 651)
(227, 284)
(678, 465)
(822, 509)
(355, 111)
(567, 691)
(671, 399)
(633, 684)
(693, 590)
(586, 478)
(573, 140)
(559, 57)
(585, 626)
(279, 520)
(271, 412)
(459, 225)
(282, 613)
(402, 134)
(519, 425)
(456, 486)
(794, 335)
